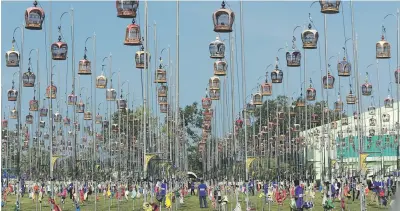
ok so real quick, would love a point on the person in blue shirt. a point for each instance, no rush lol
(163, 192)
(202, 189)
(192, 189)
(389, 184)
(251, 187)
(298, 191)
(266, 191)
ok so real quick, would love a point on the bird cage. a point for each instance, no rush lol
(314, 118)
(247, 120)
(292, 112)
(164, 108)
(87, 115)
(33, 105)
(12, 94)
(204, 135)
(57, 117)
(51, 92)
(372, 122)
(296, 128)
(371, 110)
(309, 37)
(388, 102)
(339, 105)
(385, 118)
(43, 112)
(162, 91)
(366, 89)
(4, 123)
(383, 49)
(140, 60)
(223, 19)
(344, 68)
(239, 123)
(59, 50)
(67, 121)
(59, 132)
(300, 102)
(328, 81)
(345, 121)
(250, 107)
(84, 139)
(206, 102)
(42, 124)
(371, 132)
(333, 125)
(121, 104)
(397, 75)
(277, 75)
(384, 130)
(217, 49)
(77, 127)
(161, 75)
(293, 56)
(28, 78)
(12, 57)
(162, 100)
(111, 94)
(80, 107)
(84, 67)
(266, 88)
(98, 119)
(106, 123)
(132, 35)
(34, 17)
(281, 115)
(356, 115)
(114, 127)
(208, 112)
(257, 99)
(220, 68)
(126, 9)
(351, 98)
(72, 99)
(214, 94)
(29, 119)
(214, 83)
(101, 81)
(207, 128)
(311, 93)
(46, 136)
(329, 6)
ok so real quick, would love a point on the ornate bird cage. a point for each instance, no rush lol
(293, 56)
(114, 127)
(162, 100)
(28, 78)
(98, 119)
(372, 122)
(329, 6)
(351, 98)
(223, 19)
(72, 99)
(127, 9)
(250, 107)
(281, 115)
(311, 93)
(106, 123)
(59, 50)
(344, 68)
(4, 123)
(80, 107)
(214, 83)
(385, 117)
(121, 104)
(162, 91)
(132, 35)
(339, 105)
(51, 92)
(371, 110)
(57, 117)
(13, 114)
(309, 38)
(257, 99)
(220, 68)
(33, 105)
(42, 124)
(300, 102)
(34, 17)
(85, 67)
(366, 88)
(296, 128)
(345, 121)
(292, 111)
(29, 119)
(334, 125)
(277, 75)
(214, 94)
(111, 94)
(206, 102)
(314, 118)
(67, 121)
(328, 81)
(12, 94)
(161, 75)
(371, 132)
(164, 108)
(43, 112)
(207, 128)
(239, 123)
(266, 87)
(397, 75)
(12, 57)
(101, 81)
(140, 60)
(217, 49)
(388, 102)
(87, 115)
(208, 112)
(383, 49)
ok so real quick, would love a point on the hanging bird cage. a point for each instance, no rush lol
(98, 119)
(371, 110)
(314, 118)
(223, 19)
(162, 100)
(111, 94)
(140, 60)
(339, 105)
(132, 35)
(385, 118)
(72, 99)
(84, 67)
(161, 75)
(59, 50)
(356, 115)
(87, 115)
(345, 121)
(214, 83)
(162, 91)
(207, 128)
(43, 112)
(57, 117)
(250, 107)
(351, 98)
(266, 88)
(106, 123)
(220, 68)
(296, 128)
(281, 115)
(206, 102)
(371, 132)
(80, 107)
(215, 94)
(239, 123)
(257, 99)
(384, 130)
(311, 93)
(34, 17)
(33, 105)
(67, 121)
(366, 89)
(121, 104)
(344, 68)
(329, 6)
(77, 127)
(397, 75)
(42, 124)
(334, 125)
(51, 92)
(217, 49)
(126, 9)
(46, 136)
(293, 56)
(277, 75)
(114, 127)
(247, 120)
(12, 94)
(29, 119)
(328, 81)
(292, 112)
(28, 78)
(383, 49)
(204, 135)
(309, 38)
(372, 122)
(300, 102)
(208, 113)
(388, 102)
(101, 81)
(4, 123)
(164, 108)
(12, 57)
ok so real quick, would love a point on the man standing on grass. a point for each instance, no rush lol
(202, 189)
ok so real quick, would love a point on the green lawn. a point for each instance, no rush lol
(191, 203)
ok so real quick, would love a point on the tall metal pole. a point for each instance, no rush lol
(94, 121)
(145, 91)
(232, 100)
(177, 87)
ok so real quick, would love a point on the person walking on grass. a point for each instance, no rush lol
(202, 190)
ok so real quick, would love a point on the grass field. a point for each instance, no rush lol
(191, 203)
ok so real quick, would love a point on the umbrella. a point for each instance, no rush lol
(191, 175)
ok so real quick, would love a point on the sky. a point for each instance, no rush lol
(267, 26)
